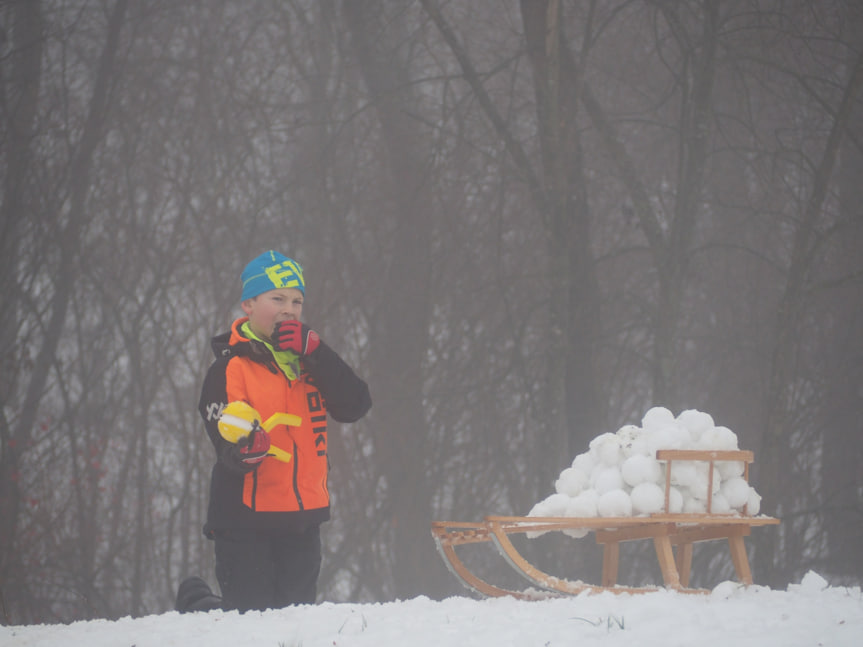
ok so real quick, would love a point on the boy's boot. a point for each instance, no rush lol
(195, 594)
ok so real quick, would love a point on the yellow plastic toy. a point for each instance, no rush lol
(239, 419)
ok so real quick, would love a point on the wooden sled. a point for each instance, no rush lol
(667, 530)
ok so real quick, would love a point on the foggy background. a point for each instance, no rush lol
(523, 223)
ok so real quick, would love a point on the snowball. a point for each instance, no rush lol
(583, 505)
(812, 582)
(591, 498)
(557, 504)
(576, 533)
(629, 437)
(702, 469)
(699, 486)
(647, 498)
(639, 469)
(730, 469)
(753, 505)
(691, 505)
(679, 437)
(628, 433)
(657, 417)
(636, 447)
(695, 422)
(615, 503)
(726, 589)
(718, 438)
(611, 453)
(538, 510)
(719, 504)
(736, 492)
(584, 462)
(605, 479)
(675, 500)
(572, 481)
(683, 473)
(659, 438)
(607, 449)
(599, 440)
(551, 506)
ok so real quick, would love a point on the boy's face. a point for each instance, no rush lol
(268, 309)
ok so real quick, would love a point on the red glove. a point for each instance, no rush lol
(254, 447)
(295, 336)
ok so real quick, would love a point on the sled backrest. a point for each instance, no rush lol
(709, 456)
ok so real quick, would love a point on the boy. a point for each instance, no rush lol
(265, 510)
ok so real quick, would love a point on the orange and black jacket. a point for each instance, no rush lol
(274, 494)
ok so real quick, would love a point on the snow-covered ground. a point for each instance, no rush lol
(809, 614)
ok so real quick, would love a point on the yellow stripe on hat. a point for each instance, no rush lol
(285, 275)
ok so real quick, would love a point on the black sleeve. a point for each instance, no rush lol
(347, 396)
(214, 397)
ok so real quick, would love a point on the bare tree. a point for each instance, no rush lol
(19, 99)
(68, 228)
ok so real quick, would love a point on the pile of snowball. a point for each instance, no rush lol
(619, 475)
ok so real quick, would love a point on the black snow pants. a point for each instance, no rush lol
(267, 569)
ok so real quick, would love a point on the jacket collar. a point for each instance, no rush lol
(235, 343)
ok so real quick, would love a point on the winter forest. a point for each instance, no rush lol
(524, 223)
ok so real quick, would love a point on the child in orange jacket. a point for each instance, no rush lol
(265, 511)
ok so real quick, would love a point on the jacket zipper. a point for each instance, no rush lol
(255, 490)
(296, 483)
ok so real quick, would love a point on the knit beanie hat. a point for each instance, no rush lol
(269, 271)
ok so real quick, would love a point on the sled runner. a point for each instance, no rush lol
(667, 530)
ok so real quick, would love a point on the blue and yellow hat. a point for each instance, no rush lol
(269, 271)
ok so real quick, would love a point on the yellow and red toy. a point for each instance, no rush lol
(239, 419)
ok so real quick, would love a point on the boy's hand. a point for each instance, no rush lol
(254, 447)
(295, 336)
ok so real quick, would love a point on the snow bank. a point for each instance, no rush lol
(807, 614)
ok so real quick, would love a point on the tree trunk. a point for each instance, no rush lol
(400, 337)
